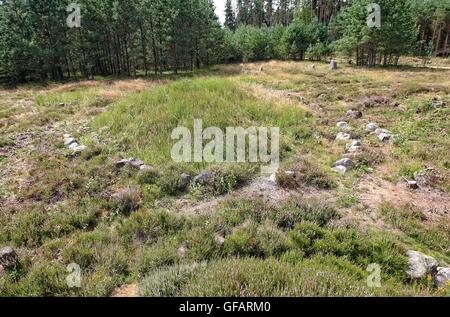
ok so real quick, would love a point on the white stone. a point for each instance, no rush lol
(420, 264)
(69, 141)
(80, 148)
(340, 169)
(342, 125)
(341, 136)
(273, 178)
(383, 137)
(379, 131)
(371, 127)
(442, 277)
(73, 146)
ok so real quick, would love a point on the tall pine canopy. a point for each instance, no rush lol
(139, 37)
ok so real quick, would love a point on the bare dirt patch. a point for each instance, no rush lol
(374, 192)
(126, 291)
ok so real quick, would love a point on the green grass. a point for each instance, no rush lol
(125, 226)
(143, 123)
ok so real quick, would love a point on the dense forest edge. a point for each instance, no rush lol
(140, 37)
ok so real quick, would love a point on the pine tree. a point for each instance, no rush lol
(230, 18)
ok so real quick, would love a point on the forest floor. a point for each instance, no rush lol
(311, 232)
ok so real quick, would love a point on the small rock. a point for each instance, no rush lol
(313, 66)
(145, 167)
(220, 240)
(355, 114)
(442, 277)
(346, 162)
(185, 179)
(80, 148)
(333, 64)
(73, 146)
(342, 125)
(69, 141)
(273, 178)
(182, 251)
(121, 163)
(8, 258)
(371, 127)
(340, 169)
(379, 131)
(420, 264)
(136, 163)
(383, 137)
(355, 143)
(341, 136)
(66, 136)
(203, 178)
(413, 184)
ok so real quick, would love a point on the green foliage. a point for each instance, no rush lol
(254, 277)
(147, 226)
(395, 37)
(167, 282)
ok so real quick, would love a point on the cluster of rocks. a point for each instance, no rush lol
(73, 145)
(133, 162)
(343, 165)
(204, 178)
(382, 134)
(8, 259)
(421, 265)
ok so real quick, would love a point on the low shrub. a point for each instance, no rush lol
(163, 253)
(252, 277)
(167, 282)
(147, 226)
(297, 210)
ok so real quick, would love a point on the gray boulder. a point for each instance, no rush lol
(8, 258)
(203, 178)
(419, 264)
(185, 179)
(442, 277)
(346, 162)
